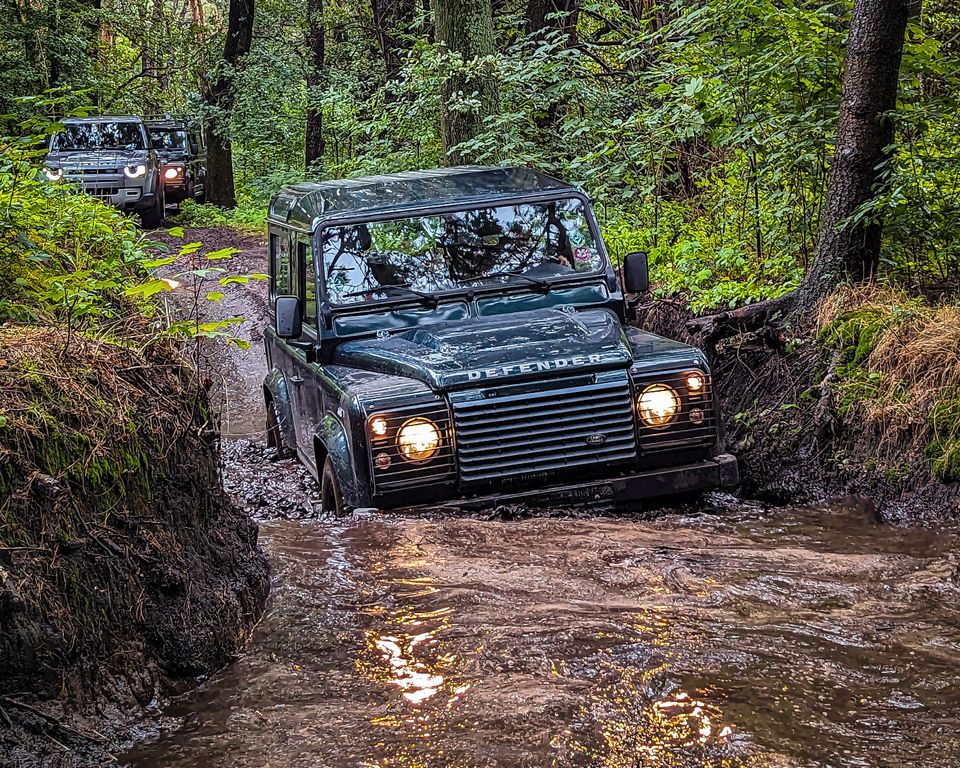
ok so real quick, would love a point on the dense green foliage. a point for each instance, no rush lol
(703, 129)
(64, 257)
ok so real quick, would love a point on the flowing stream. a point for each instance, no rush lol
(801, 637)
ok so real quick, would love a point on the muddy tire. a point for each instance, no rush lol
(152, 218)
(331, 500)
(275, 437)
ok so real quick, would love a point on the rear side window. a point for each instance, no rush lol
(279, 267)
(305, 259)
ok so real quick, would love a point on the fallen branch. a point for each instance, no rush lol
(51, 720)
(714, 328)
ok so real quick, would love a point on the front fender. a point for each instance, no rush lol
(335, 443)
(275, 388)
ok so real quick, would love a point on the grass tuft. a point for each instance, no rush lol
(899, 371)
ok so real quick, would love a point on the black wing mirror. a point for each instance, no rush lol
(289, 317)
(635, 276)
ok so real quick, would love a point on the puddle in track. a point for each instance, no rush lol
(794, 638)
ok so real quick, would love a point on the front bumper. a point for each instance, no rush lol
(719, 472)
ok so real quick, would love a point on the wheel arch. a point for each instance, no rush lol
(275, 391)
(331, 441)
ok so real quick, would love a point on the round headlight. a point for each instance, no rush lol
(171, 172)
(53, 174)
(418, 439)
(658, 405)
(135, 171)
(694, 381)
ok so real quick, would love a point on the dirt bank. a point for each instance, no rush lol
(125, 571)
(784, 420)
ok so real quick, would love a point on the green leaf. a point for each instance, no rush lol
(215, 296)
(176, 232)
(152, 263)
(223, 253)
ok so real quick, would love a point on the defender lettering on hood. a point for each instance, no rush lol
(459, 336)
(540, 366)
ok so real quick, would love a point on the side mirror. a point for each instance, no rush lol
(289, 317)
(194, 149)
(635, 276)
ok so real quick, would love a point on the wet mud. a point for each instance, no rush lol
(805, 637)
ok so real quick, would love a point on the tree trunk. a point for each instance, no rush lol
(389, 17)
(465, 27)
(544, 16)
(865, 130)
(314, 144)
(220, 96)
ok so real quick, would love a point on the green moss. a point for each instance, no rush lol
(855, 333)
(944, 446)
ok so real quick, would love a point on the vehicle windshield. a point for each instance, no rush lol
(530, 243)
(173, 140)
(105, 135)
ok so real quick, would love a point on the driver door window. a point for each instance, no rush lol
(309, 283)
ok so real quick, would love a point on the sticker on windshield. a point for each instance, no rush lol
(583, 254)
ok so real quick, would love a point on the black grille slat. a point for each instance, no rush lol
(512, 402)
(504, 434)
(481, 440)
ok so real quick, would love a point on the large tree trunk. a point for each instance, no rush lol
(465, 27)
(850, 252)
(220, 96)
(314, 145)
(871, 71)
(390, 17)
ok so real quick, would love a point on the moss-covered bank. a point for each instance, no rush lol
(124, 570)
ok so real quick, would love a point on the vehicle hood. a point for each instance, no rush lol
(100, 158)
(476, 351)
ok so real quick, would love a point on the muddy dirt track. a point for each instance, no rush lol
(726, 635)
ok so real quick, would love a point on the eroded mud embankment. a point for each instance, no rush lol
(125, 571)
(796, 439)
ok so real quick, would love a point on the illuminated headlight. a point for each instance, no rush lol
(53, 174)
(658, 405)
(378, 426)
(695, 382)
(418, 439)
(135, 171)
(171, 172)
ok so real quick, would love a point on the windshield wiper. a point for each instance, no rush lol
(427, 299)
(539, 282)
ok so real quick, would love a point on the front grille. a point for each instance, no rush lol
(402, 473)
(540, 430)
(101, 191)
(93, 172)
(681, 433)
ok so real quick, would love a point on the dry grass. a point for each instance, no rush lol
(899, 371)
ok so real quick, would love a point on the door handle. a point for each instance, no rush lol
(296, 379)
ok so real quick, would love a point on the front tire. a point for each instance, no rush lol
(331, 499)
(152, 218)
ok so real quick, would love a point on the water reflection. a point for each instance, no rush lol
(624, 726)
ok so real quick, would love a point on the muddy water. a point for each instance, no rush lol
(797, 638)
